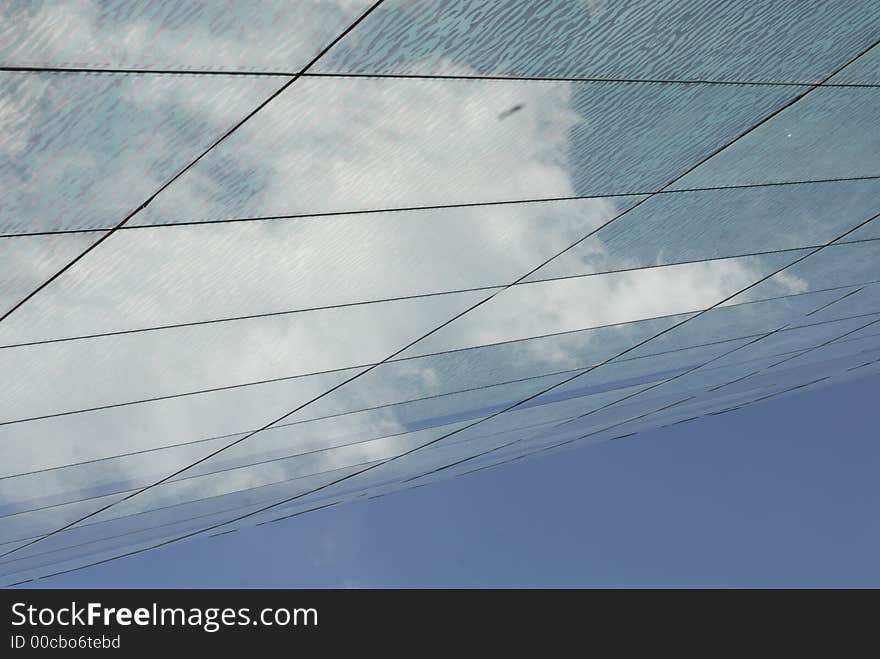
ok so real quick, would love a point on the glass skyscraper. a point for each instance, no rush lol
(261, 258)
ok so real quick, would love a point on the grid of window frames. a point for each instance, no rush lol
(258, 259)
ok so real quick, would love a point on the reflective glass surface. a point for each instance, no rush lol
(470, 233)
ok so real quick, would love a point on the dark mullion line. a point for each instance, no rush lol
(781, 393)
(854, 368)
(209, 390)
(677, 177)
(417, 400)
(772, 366)
(23, 68)
(415, 296)
(825, 306)
(189, 166)
(12, 68)
(450, 206)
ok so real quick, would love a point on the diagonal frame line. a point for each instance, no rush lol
(742, 134)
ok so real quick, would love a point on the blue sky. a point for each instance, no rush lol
(783, 493)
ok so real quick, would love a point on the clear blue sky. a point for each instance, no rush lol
(785, 493)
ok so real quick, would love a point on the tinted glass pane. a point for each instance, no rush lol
(59, 377)
(568, 304)
(780, 40)
(832, 132)
(687, 226)
(86, 150)
(153, 277)
(252, 36)
(353, 144)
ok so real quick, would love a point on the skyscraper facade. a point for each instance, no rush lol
(262, 258)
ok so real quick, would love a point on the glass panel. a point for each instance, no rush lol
(848, 353)
(39, 522)
(744, 319)
(40, 560)
(225, 34)
(188, 426)
(330, 144)
(797, 339)
(871, 230)
(741, 40)
(249, 477)
(864, 71)
(89, 480)
(127, 519)
(150, 277)
(687, 226)
(833, 132)
(483, 366)
(567, 304)
(83, 151)
(823, 270)
(26, 262)
(359, 429)
(647, 370)
(60, 377)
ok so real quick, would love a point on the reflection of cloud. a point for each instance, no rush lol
(87, 149)
(343, 144)
(386, 144)
(392, 138)
(180, 35)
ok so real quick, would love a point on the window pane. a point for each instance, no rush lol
(568, 304)
(84, 151)
(687, 226)
(833, 132)
(776, 41)
(354, 144)
(252, 36)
